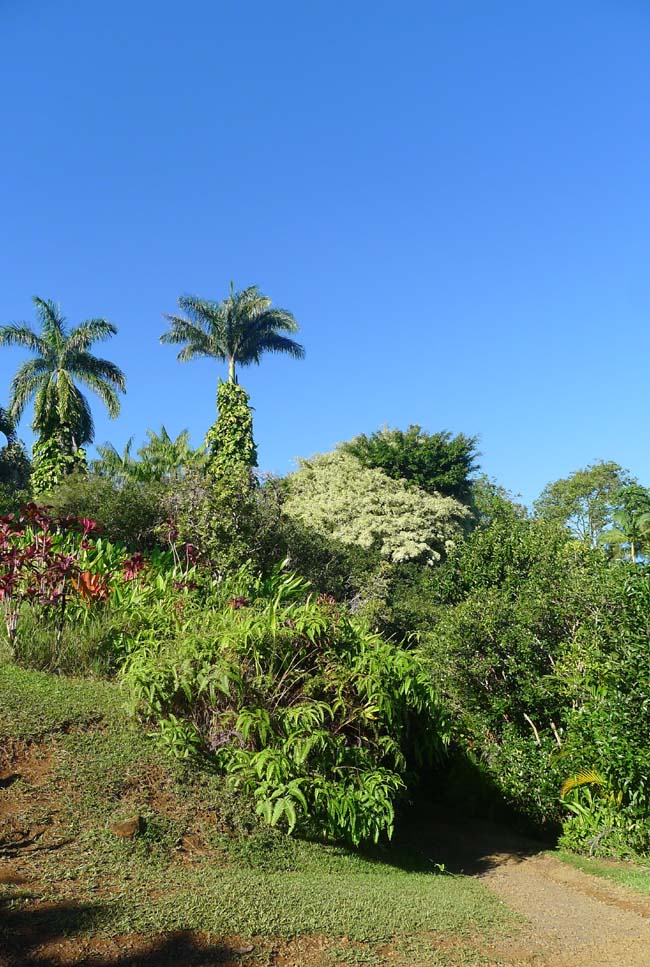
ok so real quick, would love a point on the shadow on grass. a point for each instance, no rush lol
(53, 934)
(439, 840)
(459, 824)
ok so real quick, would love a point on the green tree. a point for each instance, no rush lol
(631, 531)
(238, 330)
(434, 462)
(334, 494)
(505, 617)
(585, 501)
(62, 416)
(217, 511)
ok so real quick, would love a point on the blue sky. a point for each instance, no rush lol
(452, 198)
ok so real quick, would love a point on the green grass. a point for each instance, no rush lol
(32, 704)
(236, 877)
(633, 874)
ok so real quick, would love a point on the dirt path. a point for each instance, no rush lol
(573, 918)
(570, 917)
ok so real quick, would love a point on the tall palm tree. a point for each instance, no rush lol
(238, 330)
(62, 357)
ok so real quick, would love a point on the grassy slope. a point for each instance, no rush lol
(202, 861)
(635, 875)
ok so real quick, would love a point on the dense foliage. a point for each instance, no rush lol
(230, 441)
(435, 462)
(295, 700)
(328, 639)
(537, 645)
(336, 496)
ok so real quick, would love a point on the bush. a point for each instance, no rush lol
(129, 513)
(296, 701)
(507, 604)
(607, 755)
(72, 602)
(540, 646)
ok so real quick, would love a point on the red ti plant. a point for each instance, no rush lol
(37, 563)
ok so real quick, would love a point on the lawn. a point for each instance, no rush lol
(73, 764)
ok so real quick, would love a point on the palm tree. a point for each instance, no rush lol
(161, 458)
(631, 521)
(115, 465)
(238, 330)
(62, 356)
(631, 530)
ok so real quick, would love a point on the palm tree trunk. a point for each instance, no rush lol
(231, 370)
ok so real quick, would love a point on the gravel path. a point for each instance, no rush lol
(570, 918)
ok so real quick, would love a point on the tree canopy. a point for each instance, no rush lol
(62, 357)
(238, 330)
(434, 462)
(335, 495)
(585, 500)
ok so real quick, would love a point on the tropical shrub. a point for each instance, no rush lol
(335, 495)
(606, 756)
(301, 706)
(509, 605)
(539, 645)
(72, 601)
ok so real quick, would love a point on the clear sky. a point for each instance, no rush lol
(452, 197)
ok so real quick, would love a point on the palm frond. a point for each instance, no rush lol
(103, 389)
(24, 385)
(52, 322)
(204, 313)
(195, 340)
(46, 403)
(88, 332)
(273, 343)
(20, 334)
(584, 777)
(73, 409)
(83, 364)
(274, 319)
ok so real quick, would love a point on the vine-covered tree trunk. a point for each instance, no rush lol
(230, 441)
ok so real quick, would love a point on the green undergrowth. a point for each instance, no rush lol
(201, 859)
(630, 873)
